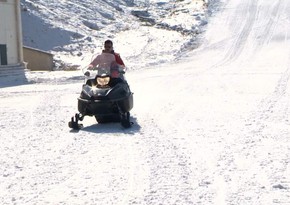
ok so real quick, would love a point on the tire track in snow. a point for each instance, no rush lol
(84, 158)
(266, 34)
(239, 42)
(12, 144)
(169, 169)
(265, 109)
(250, 163)
(29, 146)
(42, 144)
(264, 150)
(249, 168)
(47, 164)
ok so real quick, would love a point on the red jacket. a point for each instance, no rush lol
(118, 59)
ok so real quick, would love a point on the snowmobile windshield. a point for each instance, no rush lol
(102, 65)
(103, 68)
(99, 70)
(103, 61)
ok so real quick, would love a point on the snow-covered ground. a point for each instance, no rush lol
(213, 128)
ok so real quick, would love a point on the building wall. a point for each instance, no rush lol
(11, 31)
(37, 59)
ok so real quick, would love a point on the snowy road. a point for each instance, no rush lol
(213, 129)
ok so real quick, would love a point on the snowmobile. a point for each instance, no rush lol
(107, 99)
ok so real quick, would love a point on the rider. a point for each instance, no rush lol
(113, 61)
(108, 45)
(106, 56)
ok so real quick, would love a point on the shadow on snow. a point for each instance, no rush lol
(114, 127)
(13, 78)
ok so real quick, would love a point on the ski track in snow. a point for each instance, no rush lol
(218, 136)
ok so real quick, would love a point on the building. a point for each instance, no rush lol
(37, 60)
(11, 52)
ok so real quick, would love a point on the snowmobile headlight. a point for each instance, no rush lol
(103, 81)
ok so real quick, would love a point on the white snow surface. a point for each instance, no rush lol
(212, 128)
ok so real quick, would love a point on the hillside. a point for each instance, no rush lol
(144, 32)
